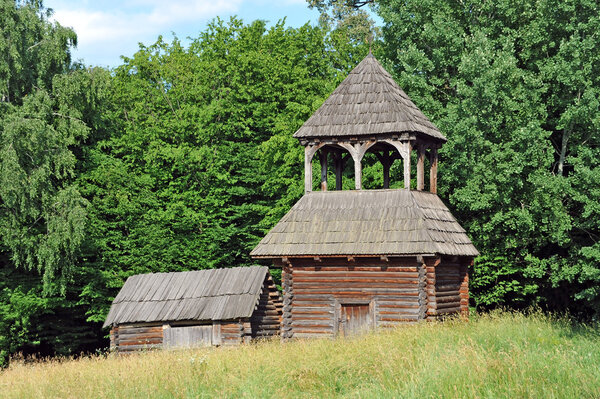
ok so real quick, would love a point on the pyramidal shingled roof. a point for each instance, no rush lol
(367, 102)
(367, 223)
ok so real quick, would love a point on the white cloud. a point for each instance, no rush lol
(109, 28)
(135, 21)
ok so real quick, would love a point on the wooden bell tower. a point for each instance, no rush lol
(353, 260)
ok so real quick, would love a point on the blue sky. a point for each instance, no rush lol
(108, 29)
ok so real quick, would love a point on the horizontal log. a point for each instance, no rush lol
(268, 327)
(447, 305)
(354, 275)
(326, 301)
(265, 319)
(314, 319)
(447, 293)
(447, 287)
(236, 331)
(439, 312)
(448, 298)
(366, 291)
(141, 330)
(312, 323)
(353, 269)
(371, 287)
(313, 309)
(399, 312)
(296, 315)
(263, 313)
(399, 306)
(142, 335)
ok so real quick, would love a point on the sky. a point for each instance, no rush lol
(108, 29)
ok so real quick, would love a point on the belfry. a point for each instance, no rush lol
(359, 259)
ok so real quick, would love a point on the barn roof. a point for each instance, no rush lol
(214, 294)
(371, 222)
(367, 102)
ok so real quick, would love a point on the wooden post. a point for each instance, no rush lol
(308, 169)
(420, 168)
(406, 161)
(339, 167)
(386, 169)
(323, 159)
(357, 173)
(433, 171)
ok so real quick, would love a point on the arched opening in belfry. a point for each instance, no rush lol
(330, 165)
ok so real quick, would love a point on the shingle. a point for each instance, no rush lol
(369, 222)
(195, 295)
(367, 102)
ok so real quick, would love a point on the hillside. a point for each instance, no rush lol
(498, 355)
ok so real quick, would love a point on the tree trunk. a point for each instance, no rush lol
(563, 151)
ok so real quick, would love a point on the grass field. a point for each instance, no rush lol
(501, 355)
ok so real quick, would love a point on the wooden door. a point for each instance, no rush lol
(354, 319)
(188, 336)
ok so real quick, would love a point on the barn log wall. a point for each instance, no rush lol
(266, 319)
(134, 337)
(315, 290)
(114, 336)
(233, 332)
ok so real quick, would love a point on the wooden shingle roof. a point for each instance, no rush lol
(370, 222)
(214, 294)
(367, 102)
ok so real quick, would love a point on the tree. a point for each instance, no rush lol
(42, 215)
(47, 108)
(515, 88)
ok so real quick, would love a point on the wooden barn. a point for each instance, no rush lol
(196, 308)
(359, 259)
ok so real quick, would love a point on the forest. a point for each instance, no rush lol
(182, 157)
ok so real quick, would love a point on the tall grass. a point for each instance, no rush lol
(500, 355)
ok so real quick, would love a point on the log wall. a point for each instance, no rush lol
(266, 319)
(233, 332)
(447, 287)
(315, 291)
(134, 337)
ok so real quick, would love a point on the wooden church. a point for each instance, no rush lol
(360, 259)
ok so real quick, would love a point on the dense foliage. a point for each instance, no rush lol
(515, 88)
(182, 157)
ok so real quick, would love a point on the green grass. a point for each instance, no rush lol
(501, 355)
